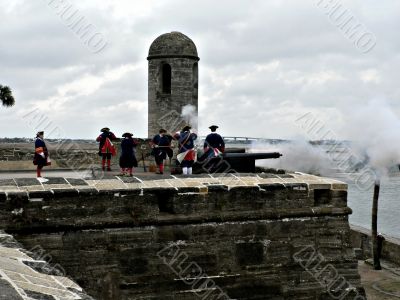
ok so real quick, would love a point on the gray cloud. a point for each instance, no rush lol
(262, 64)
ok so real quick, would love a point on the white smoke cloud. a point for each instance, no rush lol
(298, 156)
(375, 130)
(190, 116)
(374, 133)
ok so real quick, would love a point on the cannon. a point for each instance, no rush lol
(235, 150)
(233, 162)
(264, 155)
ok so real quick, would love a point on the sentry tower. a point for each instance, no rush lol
(173, 81)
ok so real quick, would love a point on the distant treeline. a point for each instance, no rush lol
(240, 140)
(31, 140)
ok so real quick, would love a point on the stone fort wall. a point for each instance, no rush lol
(264, 236)
(66, 154)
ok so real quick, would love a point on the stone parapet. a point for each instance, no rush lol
(232, 236)
(68, 203)
(361, 239)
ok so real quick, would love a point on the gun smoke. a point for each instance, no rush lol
(298, 155)
(189, 115)
(374, 134)
(375, 130)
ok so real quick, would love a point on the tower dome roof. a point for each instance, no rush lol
(173, 44)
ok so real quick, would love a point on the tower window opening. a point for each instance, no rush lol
(166, 79)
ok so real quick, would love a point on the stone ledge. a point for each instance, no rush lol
(111, 202)
(101, 222)
(59, 185)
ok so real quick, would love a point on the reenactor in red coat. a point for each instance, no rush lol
(106, 147)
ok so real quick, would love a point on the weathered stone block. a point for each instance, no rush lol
(17, 199)
(188, 203)
(133, 264)
(45, 195)
(68, 193)
(3, 197)
(338, 198)
(251, 253)
(85, 191)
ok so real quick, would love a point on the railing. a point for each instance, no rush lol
(247, 140)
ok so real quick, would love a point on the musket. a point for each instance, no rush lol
(144, 163)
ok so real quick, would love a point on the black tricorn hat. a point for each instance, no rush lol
(39, 133)
(213, 127)
(162, 130)
(186, 128)
(127, 134)
(105, 129)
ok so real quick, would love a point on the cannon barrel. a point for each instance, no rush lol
(265, 155)
(233, 162)
(235, 150)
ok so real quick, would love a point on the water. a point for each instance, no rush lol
(361, 200)
(388, 208)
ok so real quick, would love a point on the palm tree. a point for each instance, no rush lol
(6, 96)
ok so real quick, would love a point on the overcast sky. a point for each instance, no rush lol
(263, 64)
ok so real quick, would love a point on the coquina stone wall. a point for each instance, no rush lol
(240, 236)
(361, 239)
(67, 155)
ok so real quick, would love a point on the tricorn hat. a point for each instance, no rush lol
(105, 129)
(162, 130)
(213, 127)
(127, 134)
(186, 128)
(39, 133)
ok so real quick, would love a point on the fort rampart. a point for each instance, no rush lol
(242, 236)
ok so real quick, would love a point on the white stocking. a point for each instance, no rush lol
(185, 171)
(189, 171)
